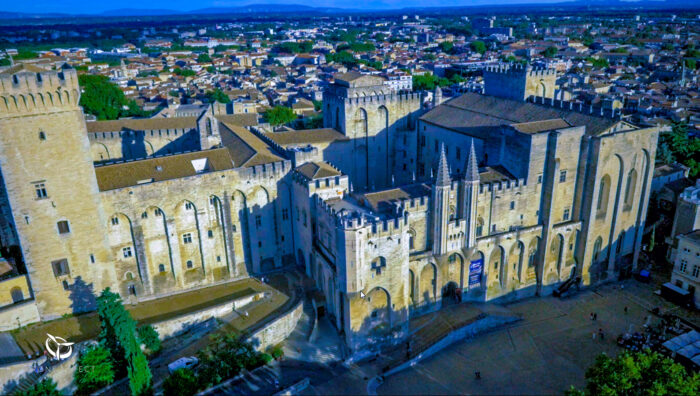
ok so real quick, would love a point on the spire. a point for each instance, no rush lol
(443, 172)
(471, 169)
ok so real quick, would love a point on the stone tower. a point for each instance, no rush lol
(441, 205)
(519, 82)
(377, 120)
(50, 184)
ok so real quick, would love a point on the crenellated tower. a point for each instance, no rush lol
(50, 183)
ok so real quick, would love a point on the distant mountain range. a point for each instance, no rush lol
(298, 9)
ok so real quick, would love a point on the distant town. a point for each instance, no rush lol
(300, 200)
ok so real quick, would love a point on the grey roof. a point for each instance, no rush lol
(475, 114)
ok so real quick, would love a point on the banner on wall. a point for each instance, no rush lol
(475, 269)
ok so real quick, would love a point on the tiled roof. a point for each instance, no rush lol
(245, 148)
(473, 113)
(127, 174)
(306, 136)
(317, 170)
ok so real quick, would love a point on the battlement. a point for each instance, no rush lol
(515, 185)
(384, 98)
(519, 69)
(419, 204)
(29, 89)
(579, 107)
(276, 170)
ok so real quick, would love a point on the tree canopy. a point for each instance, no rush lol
(217, 95)
(294, 47)
(640, 373)
(279, 115)
(95, 370)
(105, 100)
(679, 146)
(550, 52)
(46, 387)
(118, 335)
(478, 46)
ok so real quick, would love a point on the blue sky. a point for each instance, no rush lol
(84, 6)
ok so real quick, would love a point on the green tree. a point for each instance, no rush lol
(447, 47)
(478, 46)
(550, 52)
(217, 95)
(279, 115)
(118, 335)
(184, 72)
(148, 336)
(203, 58)
(100, 97)
(640, 373)
(679, 146)
(182, 382)
(224, 358)
(94, 370)
(46, 387)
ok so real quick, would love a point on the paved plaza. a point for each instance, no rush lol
(545, 353)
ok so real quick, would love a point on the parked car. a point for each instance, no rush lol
(183, 362)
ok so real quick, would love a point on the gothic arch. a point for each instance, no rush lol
(497, 265)
(387, 152)
(428, 283)
(603, 196)
(379, 306)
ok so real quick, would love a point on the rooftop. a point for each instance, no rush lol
(306, 136)
(132, 173)
(317, 170)
(475, 114)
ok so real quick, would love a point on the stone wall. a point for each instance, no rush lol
(17, 285)
(22, 314)
(173, 327)
(279, 329)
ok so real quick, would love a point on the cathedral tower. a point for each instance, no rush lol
(50, 184)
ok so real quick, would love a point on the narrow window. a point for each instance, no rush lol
(127, 252)
(63, 227)
(258, 221)
(562, 176)
(42, 135)
(161, 268)
(92, 258)
(512, 205)
(210, 233)
(189, 264)
(285, 214)
(115, 221)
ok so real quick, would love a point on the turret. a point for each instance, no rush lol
(441, 205)
(437, 96)
(470, 192)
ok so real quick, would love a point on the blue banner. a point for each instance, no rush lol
(475, 269)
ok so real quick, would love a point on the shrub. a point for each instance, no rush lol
(148, 336)
(95, 370)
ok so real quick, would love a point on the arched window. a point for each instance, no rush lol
(161, 268)
(129, 276)
(189, 264)
(596, 248)
(630, 189)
